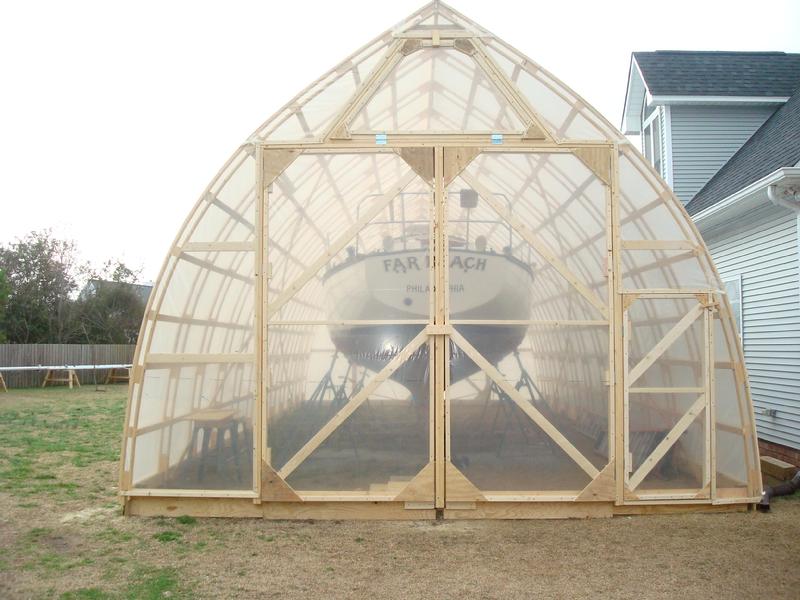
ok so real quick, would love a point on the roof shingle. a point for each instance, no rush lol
(683, 73)
(774, 145)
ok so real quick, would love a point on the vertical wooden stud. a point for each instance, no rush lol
(438, 482)
(259, 431)
(711, 406)
(616, 320)
(440, 276)
(445, 271)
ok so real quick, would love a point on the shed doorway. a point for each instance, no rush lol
(454, 357)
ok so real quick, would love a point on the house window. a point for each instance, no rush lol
(733, 288)
(656, 125)
(651, 141)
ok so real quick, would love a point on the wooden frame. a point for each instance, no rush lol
(256, 324)
(703, 306)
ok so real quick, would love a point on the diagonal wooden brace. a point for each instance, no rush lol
(664, 446)
(537, 245)
(351, 406)
(525, 405)
(667, 341)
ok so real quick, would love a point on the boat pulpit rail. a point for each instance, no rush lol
(415, 230)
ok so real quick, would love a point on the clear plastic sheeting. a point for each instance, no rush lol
(313, 110)
(437, 258)
(565, 114)
(191, 413)
(558, 372)
(378, 449)
(366, 211)
(732, 425)
(202, 439)
(498, 447)
(437, 89)
(318, 371)
(426, 19)
(550, 211)
(683, 362)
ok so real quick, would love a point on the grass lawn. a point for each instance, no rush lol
(62, 536)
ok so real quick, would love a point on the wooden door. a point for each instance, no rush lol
(348, 316)
(668, 401)
(527, 411)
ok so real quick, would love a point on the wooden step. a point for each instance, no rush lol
(777, 468)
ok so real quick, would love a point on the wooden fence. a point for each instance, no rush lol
(31, 355)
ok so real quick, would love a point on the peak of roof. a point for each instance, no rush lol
(719, 52)
(719, 73)
(774, 145)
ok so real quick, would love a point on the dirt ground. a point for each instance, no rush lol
(61, 536)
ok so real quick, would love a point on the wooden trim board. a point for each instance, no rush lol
(243, 507)
(239, 507)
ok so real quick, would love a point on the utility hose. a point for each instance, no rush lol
(782, 489)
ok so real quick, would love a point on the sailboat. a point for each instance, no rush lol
(393, 284)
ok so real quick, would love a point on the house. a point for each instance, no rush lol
(723, 129)
(694, 110)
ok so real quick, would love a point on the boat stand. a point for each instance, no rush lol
(512, 415)
(341, 396)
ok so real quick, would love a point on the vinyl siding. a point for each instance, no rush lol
(765, 253)
(705, 137)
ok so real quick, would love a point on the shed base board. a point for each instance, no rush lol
(244, 507)
(672, 509)
(533, 510)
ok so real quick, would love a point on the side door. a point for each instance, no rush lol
(668, 397)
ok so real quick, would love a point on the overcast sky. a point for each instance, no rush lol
(114, 116)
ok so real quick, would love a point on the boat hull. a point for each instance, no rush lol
(394, 286)
(373, 346)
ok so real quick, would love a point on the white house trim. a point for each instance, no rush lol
(667, 133)
(720, 99)
(745, 199)
(631, 116)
